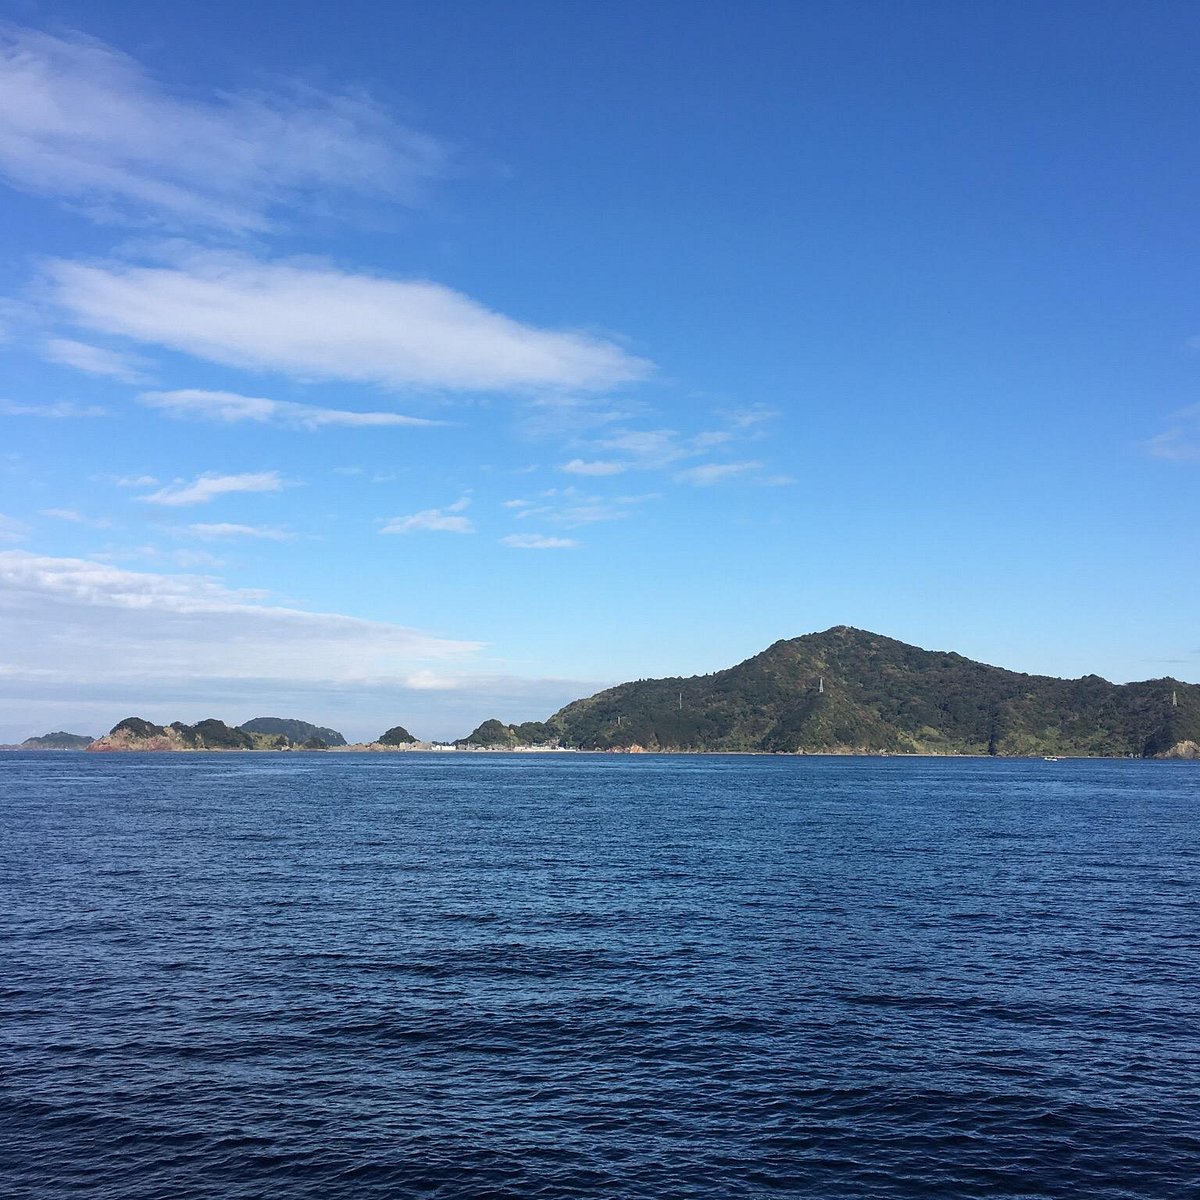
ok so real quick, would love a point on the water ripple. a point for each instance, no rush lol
(545, 978)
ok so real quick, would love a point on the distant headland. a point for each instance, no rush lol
(843, 691)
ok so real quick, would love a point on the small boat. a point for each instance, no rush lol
(1051, 758)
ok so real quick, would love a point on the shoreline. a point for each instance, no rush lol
(367, 749)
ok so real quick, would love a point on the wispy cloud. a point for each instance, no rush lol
(82, 121)
(434, 520)
(62, 410)
(572, 508)
(77, 518)
(1180, 441)
(230, 408)
(578, 466)
(318, 322)
(107, 625)
(537, 541)
(710, 473)
(648, 448)
(12, 530)
(224, 529)
(619, 448)
(95, 360)
(208, 487)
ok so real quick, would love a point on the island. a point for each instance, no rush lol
(841, 691)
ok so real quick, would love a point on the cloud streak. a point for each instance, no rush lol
(231, 408)
(208, 487)
(433, 520)
(707, 474)
(61, 410)
(1180, 441)
(82, 121)
(318, 322)
(93, 360)
(224, 529)
(537, 541)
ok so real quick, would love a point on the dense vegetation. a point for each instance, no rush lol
(848, 690)
(396, 736)
(293, 730)
(57, 741)
(212, 734)
(495, 734)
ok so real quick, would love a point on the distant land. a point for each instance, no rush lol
(54, 741)
(847, 691)
(843, 691)
(294, 731)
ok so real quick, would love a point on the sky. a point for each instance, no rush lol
(417, 364)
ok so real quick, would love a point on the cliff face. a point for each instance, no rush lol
(134, 733)
(847, 690)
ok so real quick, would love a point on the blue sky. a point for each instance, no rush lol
(424, 363)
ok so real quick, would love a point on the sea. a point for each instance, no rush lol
(228, 976)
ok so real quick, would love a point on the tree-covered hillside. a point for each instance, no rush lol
(849, 690)
(293, 730)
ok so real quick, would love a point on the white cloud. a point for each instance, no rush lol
(12, 530)
(317, 322)
(710, 473)
(230, 408)
(434, 520)
(82, 623)
(81, 120)
(225, 529)
(63, 410)
(1181, 440)
(750, 416)
(570, 508)
(537, 541)
(207, 487)
(657, 449)
(136, 481)
(648, 447)
(577, 466)
(78, 518)
(94, 360)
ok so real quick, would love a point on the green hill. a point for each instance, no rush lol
(846, 690)
(396, 736)
(496, 735)
(293, 730)
(57, 741)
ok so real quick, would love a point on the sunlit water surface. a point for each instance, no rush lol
(302, 976)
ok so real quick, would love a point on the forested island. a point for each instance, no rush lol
(843, 691)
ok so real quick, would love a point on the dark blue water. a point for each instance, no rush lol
(235, 976)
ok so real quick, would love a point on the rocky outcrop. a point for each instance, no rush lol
(136, 733)
(1185, 749)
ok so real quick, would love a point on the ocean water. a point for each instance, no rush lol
(235, 976)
